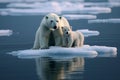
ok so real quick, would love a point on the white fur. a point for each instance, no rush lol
(46, 26)
(72, 38)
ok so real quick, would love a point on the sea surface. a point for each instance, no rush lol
(46, 68)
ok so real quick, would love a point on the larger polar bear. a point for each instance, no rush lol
(50, 23)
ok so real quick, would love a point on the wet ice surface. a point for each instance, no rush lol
(66, 53)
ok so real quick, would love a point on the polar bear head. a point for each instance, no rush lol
(66, 31)
(52, 21)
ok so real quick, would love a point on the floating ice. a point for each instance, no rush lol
(114, 1)
(6, 32)
(101, 4)
(40, 8)
(87, 10)
(67, 53)
(54, 4)
(104, 51)
(88, 33)
(76, 16)
(112, 20)
(25, 5)
(58, 10)
(10, 1)
(66, 4)
(15, 11)
(43, 5)
(70, 7)
(54, 52)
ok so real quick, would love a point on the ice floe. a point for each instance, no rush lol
(17, 1)
(112, 20)
(114, 1)
(6, 32)
(66, 4)
(67, 53)
(45, 10)
(40, 8)
(14, 11)
(101, 4)
(76, 16)
(87, 32)
(85, 10)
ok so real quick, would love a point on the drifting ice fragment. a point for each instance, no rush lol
(6, 32)
(88, 33)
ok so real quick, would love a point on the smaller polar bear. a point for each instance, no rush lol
(72, 38)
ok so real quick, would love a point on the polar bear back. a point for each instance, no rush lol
(65, 23)
(79, 37)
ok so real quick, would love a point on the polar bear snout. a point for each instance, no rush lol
(55, 27)
(51, 21)
(53, 24)
(66, 32)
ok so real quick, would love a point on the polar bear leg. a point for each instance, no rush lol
(81, 40)
(70, 43)
(44, 39)
(36, 42)
(63, 42)
(44, 43)
(77, 43)
(58, 41)
(81, 43)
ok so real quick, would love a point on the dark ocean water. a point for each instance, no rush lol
(24, 28)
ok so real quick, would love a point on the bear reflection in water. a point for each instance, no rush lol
(49, 69)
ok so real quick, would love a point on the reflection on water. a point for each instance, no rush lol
(49, 69)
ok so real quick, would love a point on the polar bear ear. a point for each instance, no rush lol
(60, 17)
(46, 17)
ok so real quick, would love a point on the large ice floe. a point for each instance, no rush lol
(86, 51)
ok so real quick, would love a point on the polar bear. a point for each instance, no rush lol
(72, 38)
(51, 23)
